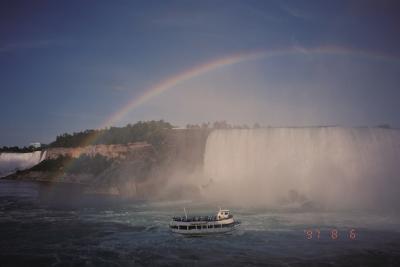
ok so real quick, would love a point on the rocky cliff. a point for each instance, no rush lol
(109, 151)
(134, 169)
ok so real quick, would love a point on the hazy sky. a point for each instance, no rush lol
(69, 65)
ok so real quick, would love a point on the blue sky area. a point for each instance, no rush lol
(69, 65)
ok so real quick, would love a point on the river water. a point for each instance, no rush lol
(35, 230)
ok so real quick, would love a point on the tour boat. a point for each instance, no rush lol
(223, 222)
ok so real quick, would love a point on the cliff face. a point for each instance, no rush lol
(98, 166)
(134, 169)
(108, 151)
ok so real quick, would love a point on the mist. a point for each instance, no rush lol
(320, 167)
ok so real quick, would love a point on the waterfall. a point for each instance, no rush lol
(328, 166)
(11, 162)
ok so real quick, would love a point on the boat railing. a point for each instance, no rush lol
(198, 218)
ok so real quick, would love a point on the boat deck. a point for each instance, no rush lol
(199, 219)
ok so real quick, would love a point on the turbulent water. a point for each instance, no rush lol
(36, 231)
(329, 166)
(11, 162)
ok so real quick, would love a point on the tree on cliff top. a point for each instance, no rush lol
(152, 132)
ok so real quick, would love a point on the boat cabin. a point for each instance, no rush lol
(223, 214)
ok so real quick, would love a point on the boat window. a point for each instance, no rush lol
(204, 226)
(210, 226)
(198, 226)
(191, 227)
(228, 225)
(182, 227)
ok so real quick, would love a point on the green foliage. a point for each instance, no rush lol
(83, 164)
(152, 132)
(16, 149)
(75, 139)
(52, 165)
(385, 126)
(221, 125)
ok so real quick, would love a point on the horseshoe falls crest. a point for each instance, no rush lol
(330, 167)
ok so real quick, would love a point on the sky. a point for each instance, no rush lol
(67, 66)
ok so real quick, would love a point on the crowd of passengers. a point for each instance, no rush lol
(195, 219)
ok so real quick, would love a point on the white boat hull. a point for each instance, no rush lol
(203, 227)
(196, 232)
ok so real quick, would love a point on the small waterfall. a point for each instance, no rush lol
(11, 162)
(329, 166)
(43, 155)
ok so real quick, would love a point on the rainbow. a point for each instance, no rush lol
(175, 80)
(172, 81)
(198, 70)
